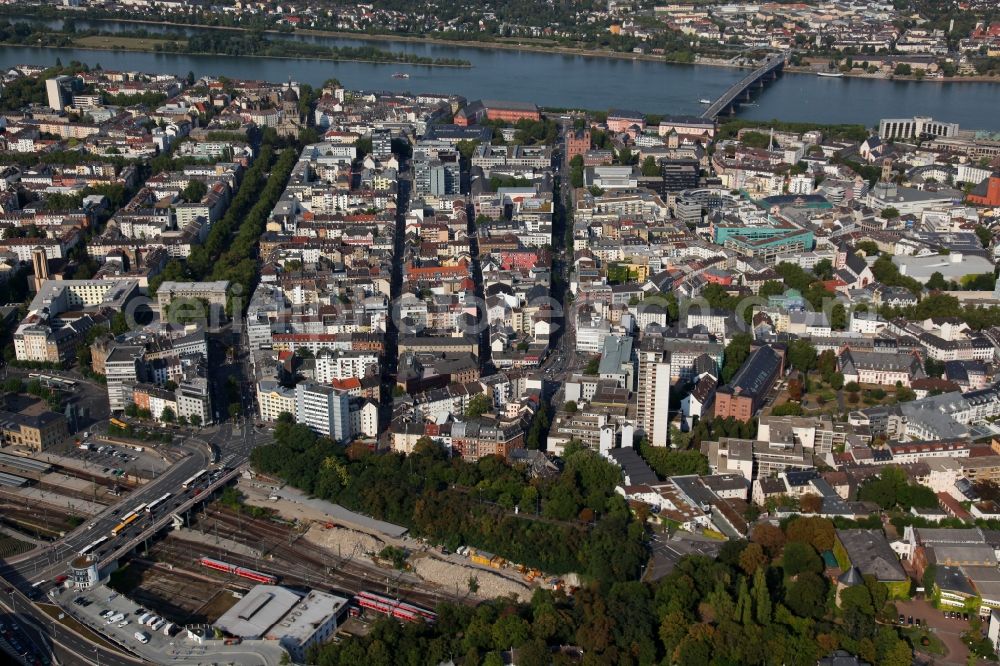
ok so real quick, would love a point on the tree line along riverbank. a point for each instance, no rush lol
(674, 49)
(243, 43)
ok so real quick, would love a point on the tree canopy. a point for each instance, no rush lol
(745, 607)
(574, 522)
(892, 489)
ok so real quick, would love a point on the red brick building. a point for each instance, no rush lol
(508, 112)
(577, 143)
(511, 112)
(987, 193)
(746, 393)
(480, 437)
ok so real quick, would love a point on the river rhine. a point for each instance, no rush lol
(574, 81)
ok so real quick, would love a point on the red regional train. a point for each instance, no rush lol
(389, 606)
(255, 576)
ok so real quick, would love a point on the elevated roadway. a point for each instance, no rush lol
(731, 98)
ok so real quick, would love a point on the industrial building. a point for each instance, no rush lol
(275, 613)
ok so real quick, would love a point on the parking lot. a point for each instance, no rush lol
(949, 630)
(113, 460)
(88, 606)
(178, 647)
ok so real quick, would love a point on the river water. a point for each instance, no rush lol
(570, 81)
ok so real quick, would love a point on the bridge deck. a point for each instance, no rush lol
(740, 86)
(161, 522)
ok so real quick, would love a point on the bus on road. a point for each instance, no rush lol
(155, 504)
(120, 527)
(194, 479)
(89, 548)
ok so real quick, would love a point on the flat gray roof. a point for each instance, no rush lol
(617, 351)
(219, 287)
(258, 611)
(27, 464)
(12, 481)
(340, 513)
(311, 613)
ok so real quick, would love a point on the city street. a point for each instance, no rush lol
(51, 637)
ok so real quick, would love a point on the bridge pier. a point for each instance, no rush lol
(742, 91)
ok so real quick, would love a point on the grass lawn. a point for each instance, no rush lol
(916, 636)
(114, 41)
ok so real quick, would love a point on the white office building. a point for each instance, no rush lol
(194, 399)
(122, 370)
(912, 128)
(340, 364)
(59, 91)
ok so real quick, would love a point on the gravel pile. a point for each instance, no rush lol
(350, 542)
(448, 575)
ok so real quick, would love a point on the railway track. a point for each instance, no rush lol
(92, 497)
(300, 559)
(291, 573)
(40, 504)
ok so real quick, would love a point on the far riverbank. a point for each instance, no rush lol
(414, 39)
(151, 49)
(523, 46)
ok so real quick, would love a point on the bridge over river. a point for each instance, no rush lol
(730, 99)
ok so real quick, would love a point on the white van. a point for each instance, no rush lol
(156, 626)
(152, 620)
(142, 636)
(142, 618)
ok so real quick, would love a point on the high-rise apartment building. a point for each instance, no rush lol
(59, 91)
(653, 392)
(325, 409)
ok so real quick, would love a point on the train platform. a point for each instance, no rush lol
(72, 505)
(209, 539)
(321, 510)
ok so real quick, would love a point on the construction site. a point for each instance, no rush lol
(297, 547)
